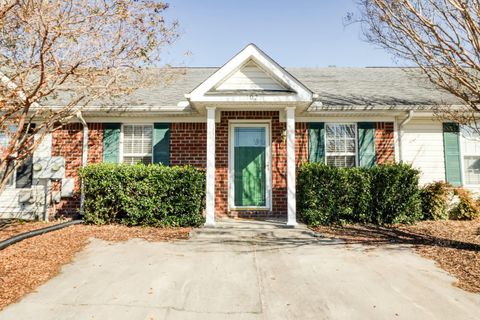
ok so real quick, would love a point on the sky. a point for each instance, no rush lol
(299, 33)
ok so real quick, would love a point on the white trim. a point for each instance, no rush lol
(144, 119)
(291, 168)
(203, 93)
(355, 153)
(257, 123)
(396, 142)
(210, 198)
(346, 119)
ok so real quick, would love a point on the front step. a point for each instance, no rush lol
(266, 232)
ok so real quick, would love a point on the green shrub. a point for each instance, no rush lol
(152, 195)
(466, 208)
(395, 194)
(329, 195)
(435, 200)
(382, 195)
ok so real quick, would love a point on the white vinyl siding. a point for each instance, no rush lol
(422, 146)
(340, 142)
(250, 77)
(137, 144)
(10, 205)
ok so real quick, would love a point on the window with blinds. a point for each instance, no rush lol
(340, 141)
(137, 144)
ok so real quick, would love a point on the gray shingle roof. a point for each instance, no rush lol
(335, 87)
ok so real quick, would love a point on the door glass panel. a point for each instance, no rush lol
(249, 167)
(249, 137)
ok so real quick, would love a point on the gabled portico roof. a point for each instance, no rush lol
(251, 78)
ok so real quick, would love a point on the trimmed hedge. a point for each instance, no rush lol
(152, 195)
(383, 194)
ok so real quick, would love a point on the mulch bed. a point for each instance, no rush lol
(453, 245)
(26, 265)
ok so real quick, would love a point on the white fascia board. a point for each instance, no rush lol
(251, 98)
(123, 109)
(319, 107)
(250, 52)
(349, 118)
(144, 119)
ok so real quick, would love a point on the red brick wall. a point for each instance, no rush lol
(301, 143)
(279, 162)
(188, 144)
(384, 142)
(67, 142)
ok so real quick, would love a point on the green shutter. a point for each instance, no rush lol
(161, 143)
(366, 144)
(111, 142)
(316, 142)
(451, 149)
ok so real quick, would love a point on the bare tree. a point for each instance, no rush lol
(73, 52)
(441, 37)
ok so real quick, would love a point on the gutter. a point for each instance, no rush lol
(84, 157)
(400, 126)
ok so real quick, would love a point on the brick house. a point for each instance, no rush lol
(250, 124)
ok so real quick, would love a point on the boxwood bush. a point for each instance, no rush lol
(152, 195)
(384, 194)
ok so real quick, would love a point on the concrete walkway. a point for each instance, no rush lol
(247, 270)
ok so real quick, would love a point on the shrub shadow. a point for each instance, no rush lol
(377, 235)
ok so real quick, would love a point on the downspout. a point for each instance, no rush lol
(400, 126)
(84, 157)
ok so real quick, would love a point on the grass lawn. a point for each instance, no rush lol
(453, 245)
(27, 264)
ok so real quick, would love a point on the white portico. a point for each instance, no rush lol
(250, 81)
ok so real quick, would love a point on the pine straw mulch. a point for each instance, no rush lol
(453, 245)
(27, 264)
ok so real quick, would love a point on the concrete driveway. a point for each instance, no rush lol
(247, 270)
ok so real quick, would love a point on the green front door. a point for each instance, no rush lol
(249, 166)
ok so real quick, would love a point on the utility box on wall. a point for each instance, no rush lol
(68, 187)
(49, 168)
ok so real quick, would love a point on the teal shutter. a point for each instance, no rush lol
(111, 142)
(366, 144)
(316, 142)
(451, 149)
(161, 143)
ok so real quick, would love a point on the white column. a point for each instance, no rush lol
(210, 221)
(291, 185)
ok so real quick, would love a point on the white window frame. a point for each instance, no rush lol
(122, 154)
(464, 154)
(265, 123)
(355, 153)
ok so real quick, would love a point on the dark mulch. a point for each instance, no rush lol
(27, 264)
(453, 245)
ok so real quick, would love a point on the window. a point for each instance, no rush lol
(471, 155)
(137, 144)
(340, 143)
(4, 140)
